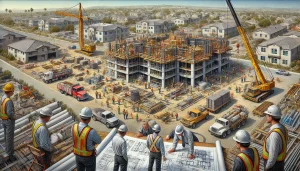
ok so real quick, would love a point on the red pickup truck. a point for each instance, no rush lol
(74, 90)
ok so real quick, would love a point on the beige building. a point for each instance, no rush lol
(270, 32)
(281, 50)
(7, 37)
(220, 30)
(155, 26)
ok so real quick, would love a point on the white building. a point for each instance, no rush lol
(7, 37)
(104, 32)
(32, 50)
(155, 26)
(220, 30)
(186, 20)
(269, 32)
(281, 50)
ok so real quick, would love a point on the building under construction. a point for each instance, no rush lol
(163, 62)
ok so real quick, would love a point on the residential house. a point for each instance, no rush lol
(293, 34)
(185, 21)
(280, 50)
(155, 26)
(103, 32)
(287, 23)
(7, 37)
(270, 32)
(221, 30)
(32, 50)
(20, 20)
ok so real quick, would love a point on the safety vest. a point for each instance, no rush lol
(284, 139)
(153, 147)
(80, 141)
(249, 165)
(4, 116)
(34, 129)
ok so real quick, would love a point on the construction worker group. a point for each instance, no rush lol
(85, 138)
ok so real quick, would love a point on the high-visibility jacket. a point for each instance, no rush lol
(4, 115)
(153, 142)
(80, 141)
(249, 164)
(284, 139)
(34, 129)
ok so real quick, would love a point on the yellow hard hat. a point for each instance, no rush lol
(8, 87)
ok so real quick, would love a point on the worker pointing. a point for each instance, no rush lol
(275, 143)
(248, 159)
(155, 144)
(8, 120)
(41, 136)
(85, 138)
(186, 137)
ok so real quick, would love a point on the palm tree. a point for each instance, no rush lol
(25, 10)
(45, 9)
(31, 9)
(10, 11)
(6, 10)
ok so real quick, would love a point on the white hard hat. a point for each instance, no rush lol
(86, 112)
(242, 136)
(179, 129)
(156, 128)
(274, 110)
(46, 111)
(123, 128)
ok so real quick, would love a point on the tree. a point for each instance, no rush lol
(279, 21)
(203, 22)
(199, 10)
(264, 23)
(6, 10)
(35, 28)
(54, 29)
(25, 10)
(175, 27)
(45, 9)
(31, 10)
(251, 28)
(167, 11)
(10, 11)
(132, 29)
(107, 20)
(69, 27)
(130, 21)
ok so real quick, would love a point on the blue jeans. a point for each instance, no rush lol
(86, 163)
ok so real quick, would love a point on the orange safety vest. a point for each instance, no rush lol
(3, 114)
(153, 147)
(250, 166)
(284, 139)
(34, 129)
(80, 141)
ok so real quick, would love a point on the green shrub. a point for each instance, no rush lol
(54, 29)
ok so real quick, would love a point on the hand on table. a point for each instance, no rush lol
(191, 156)
(171, 151)
(164, 158)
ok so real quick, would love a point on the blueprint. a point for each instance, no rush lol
(138, 157)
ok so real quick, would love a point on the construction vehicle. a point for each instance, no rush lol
(194, 117)
(262, 87)
(229, 122)
(84, 49)
(106, 117)
(259, 110)
(74, 90)
(53, 75)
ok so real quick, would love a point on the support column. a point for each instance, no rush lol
(177, 71)
(148, 63)
(220, 63)
(204, 70)
(116, 67)
(163, 76)
(127, 71)
(193, 75)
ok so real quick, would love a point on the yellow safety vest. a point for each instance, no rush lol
(153, 147)
(80, 141)
(34, 129)
(4, 115)
(250, 166)
(284, 139)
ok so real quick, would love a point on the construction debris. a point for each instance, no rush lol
(259, 111)
(152, 107)
(189, 101)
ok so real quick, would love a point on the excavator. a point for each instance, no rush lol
(262, 87)
(84, 49)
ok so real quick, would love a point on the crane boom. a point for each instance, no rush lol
(264, 85)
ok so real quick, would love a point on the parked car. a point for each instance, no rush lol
(106, 117)
(282, 72)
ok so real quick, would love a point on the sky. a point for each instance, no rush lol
(40, 4)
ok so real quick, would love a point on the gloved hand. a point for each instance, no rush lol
(191, 156)
(171, 151)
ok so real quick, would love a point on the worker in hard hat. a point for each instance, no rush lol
(85, 138)
(248, 159)
(186, 137)
(155, 144)
(145, 130)
(8, 120)
(172, 134)
(120, 149)
(275, 143)
(41, 136)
